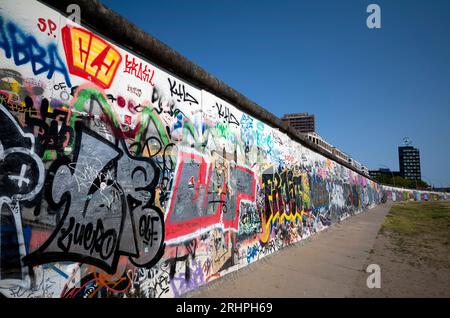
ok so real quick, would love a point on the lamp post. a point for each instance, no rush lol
(428, 180)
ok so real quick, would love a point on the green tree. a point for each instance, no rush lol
(402, 182)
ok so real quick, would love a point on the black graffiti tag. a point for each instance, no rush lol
(104, 192)
(21, 180)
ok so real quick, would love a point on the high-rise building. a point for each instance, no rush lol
(409, 162)
(302, 122)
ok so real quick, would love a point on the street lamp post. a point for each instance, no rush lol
(428, 180)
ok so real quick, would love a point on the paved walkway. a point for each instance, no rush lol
(325, 265)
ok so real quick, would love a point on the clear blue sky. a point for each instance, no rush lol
(367, 88)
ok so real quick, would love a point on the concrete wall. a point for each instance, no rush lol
(400, 194)
(120, 178)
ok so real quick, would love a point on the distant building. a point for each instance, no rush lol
(302, 122)
(322, 143)
(318, 140)
(355, 164)
(340, 154)
(378, 173)
(365, 170)
(409, 162)
(306, 124)
(383, 172)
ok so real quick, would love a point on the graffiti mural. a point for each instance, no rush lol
(120, 179)
(22, 178)
(106, 197)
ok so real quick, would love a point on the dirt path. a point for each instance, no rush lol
(413, 252)
(330, 264)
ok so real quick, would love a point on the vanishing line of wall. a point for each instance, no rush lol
(117, 29)
(121, 178)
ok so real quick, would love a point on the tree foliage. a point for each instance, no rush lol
(402, 182)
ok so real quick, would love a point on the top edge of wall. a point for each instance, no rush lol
(113, 26)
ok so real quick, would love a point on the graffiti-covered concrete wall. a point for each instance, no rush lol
(400, 194)
(121, 179)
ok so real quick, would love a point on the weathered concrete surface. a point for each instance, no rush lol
(325, 265)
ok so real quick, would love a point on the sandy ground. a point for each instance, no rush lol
(404, 275)
(412, 265)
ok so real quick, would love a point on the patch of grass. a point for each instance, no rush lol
(419, 230)
(415, 218)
